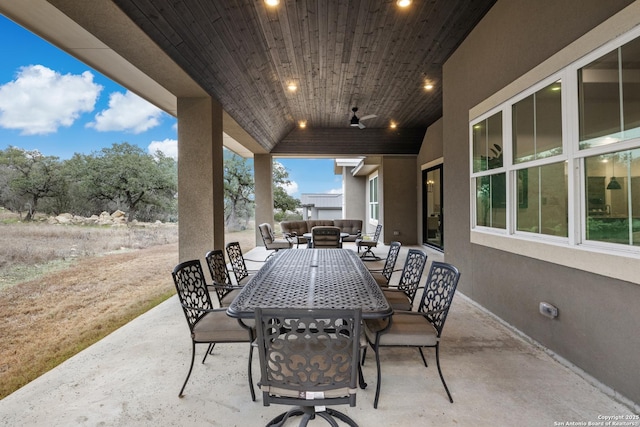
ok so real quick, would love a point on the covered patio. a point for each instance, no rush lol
(223, 69)
(132, 378)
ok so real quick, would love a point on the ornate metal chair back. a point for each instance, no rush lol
(238, 266)
(191, 287)
(412, 273)
(438, 293)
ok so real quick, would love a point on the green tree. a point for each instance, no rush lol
(281, 199)
(32, 177)
(129, 178)
(238, 190)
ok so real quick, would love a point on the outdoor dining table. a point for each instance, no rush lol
(312, 278)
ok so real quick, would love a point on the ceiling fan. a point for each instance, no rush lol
(355, 121)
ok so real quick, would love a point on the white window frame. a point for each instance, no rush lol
(574, 250)
(371, 203)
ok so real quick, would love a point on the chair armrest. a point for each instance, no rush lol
(223, 286)
(204, 310)
(393, 289)
(418, 313)
(380, 270)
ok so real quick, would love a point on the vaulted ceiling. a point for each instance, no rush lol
(340, 54)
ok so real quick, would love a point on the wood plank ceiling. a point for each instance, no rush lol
(340, 54)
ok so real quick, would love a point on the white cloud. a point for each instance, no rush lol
(291, 188)
(335, 191)
(169, 148)
(127, 113)
(40, 100)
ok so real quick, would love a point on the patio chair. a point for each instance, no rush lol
(383, 275)
(208, 325)
(270, 241)
(224, 289)
(361, 242)
(421, 328)
(238, 264)
(326, 237)
(308, 358)
(401, 297)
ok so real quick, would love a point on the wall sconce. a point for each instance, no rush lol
(430, 183)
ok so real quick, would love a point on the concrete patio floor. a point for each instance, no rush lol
(132, 378)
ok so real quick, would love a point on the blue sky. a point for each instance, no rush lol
(53, 103)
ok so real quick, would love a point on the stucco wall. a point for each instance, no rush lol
(398, 188)
(597, 326)
(355, 199)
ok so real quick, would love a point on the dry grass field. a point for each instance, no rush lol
(64, 287)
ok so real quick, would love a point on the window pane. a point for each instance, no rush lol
(549, 121)
(524, 144)
(631, 88)
(487, 144)
(554, 205)
(373, 198)
(613, 197)
(542, 200)
(537, 125)
(528, 201)
(634, 172)
(494, 141)
(491, 201)
(598, 85)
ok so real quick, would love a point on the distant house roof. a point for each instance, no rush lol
(322, 200)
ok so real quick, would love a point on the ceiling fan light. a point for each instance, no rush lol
(272, 3)
(355, 121)
(403, 3)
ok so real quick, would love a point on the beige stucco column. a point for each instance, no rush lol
(355, 195)
(263, 174)
(200, 177)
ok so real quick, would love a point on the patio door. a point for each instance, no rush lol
(432, 208)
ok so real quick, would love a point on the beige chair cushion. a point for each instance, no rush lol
(326, 237)
(280, 244)
(267, 233)
(406, 329)
(380, 279)
(228, 298)
(397, 299)
(217, 326)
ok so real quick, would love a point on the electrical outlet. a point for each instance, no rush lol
(548, 310)
(396, 233)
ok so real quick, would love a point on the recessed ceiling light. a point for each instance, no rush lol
(393, 125)
(302, 124)
(403, 3)
(292, 87)
(272, 2)
(428, 86)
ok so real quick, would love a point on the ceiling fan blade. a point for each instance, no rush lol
(361, 126)
(369, 116)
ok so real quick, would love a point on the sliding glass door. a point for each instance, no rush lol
(432, 219)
